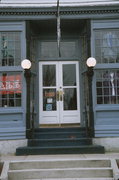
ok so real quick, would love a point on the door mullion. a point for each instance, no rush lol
(60, 89)
(57, 84)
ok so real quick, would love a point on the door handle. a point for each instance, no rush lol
(57, 95)
(61, 95)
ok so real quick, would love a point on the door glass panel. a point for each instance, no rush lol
(70, 99)
(69, 75)
(49, 100)
(49, 75)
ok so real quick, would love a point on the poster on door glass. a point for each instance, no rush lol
(49, 99)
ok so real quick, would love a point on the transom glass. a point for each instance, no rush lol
(49, 49)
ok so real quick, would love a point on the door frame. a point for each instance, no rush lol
(59, 113)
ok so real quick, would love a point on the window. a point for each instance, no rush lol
(107, 46)
(10, 48)
(107, 86)
(50, 50)
(10, 89)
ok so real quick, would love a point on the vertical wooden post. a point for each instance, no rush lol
(90, 74)
(27, 75)
(58, 28)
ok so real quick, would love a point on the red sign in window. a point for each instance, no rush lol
(10, 84)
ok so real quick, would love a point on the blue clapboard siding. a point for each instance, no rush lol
(107, 123)
(12, 133)
(106, 131)
(12, 124)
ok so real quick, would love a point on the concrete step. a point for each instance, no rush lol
(21, 165)
(61, 170)
(59, 142)
(61, 173)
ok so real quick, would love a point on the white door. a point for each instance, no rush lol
(59, 92)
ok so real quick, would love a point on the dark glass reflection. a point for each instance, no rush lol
(49, 75)
(69, 75)
(49, 100)
(49, 49)
(70, 99)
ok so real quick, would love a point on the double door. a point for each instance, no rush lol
(59, 92)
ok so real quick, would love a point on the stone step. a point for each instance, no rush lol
(61, 173)
(82, 149)
(84, 163)
(59, 142)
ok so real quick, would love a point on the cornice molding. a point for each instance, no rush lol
(66, 11)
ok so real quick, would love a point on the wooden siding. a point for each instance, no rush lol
(12, 124)
(107, 123)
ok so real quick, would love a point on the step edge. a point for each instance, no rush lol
(55, 169)
(82, 146)
(62, 139)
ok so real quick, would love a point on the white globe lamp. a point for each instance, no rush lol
(91, 62)
(26, 64)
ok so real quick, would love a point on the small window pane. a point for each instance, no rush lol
(70, 99)
(69, 75)
(49, 100)
(49, 75)
(10, 48)
(107, 46)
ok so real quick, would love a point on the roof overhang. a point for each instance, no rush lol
(82, 11)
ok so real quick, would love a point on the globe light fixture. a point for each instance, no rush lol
(26, 64)
(91, 62)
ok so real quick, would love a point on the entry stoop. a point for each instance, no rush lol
(80, 169)
(60, 141)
